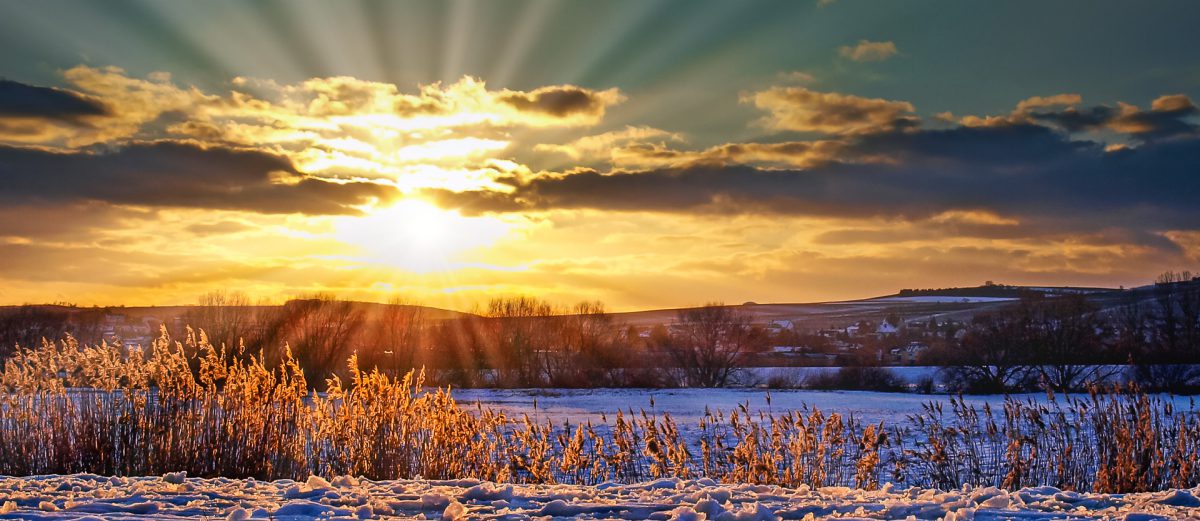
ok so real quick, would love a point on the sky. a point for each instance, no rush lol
(641, 153)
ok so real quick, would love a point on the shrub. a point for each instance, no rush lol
(858, 378)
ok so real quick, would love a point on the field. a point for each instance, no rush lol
(687, 406)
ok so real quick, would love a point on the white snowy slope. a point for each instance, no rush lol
(944, 299)
(176, 497)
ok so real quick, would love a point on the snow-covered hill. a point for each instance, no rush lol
(176, 497)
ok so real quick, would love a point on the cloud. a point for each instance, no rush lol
(602, 145)
(1022, 172)
(803, 110)
(1170, 116)
(167, 174)
(798, 77)
(31, 114)
(563, 101)
(18, 100)
(868, 51)
(1033, 103)
(331, 128)
(798, 154)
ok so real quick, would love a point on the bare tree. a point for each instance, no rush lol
(1068, 353)
(592, 347)
(993, 357)
(709, 343)
(227, 318)
(1169, 360)
(523, 338)
(465, 350)
(396, 338)
(28, 325)
(321, 331)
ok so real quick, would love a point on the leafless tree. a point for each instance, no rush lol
(395, 338)
(28, 325)
(321, 332)
(709, 343)
(1169, 360)
(993, 357)
(1068, 353)
(226, 317)
(592, 347)
(523, 338)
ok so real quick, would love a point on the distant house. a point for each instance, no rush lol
(781, 325)
(852, 330)
(845, 347)
(887, 328)
(906, 354)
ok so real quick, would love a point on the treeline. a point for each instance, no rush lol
(1066, 343)
(1060, 343)
(513, 342)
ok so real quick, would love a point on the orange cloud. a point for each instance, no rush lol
(803, 110)
(868, 51)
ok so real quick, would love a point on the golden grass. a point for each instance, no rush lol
(106, 409)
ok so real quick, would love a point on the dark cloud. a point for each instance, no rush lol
(174, 174)
(803, 110)
(1025, 171)
(560, 101)
(18, 100)
(1169, 116)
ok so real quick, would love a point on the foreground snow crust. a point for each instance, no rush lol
(174, 496)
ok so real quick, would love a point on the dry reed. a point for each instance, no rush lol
(187, 406)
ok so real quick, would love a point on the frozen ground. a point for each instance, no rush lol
(174, 497)
(750, 376)
(943, 299)
(687, 406)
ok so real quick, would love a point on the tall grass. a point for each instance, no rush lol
(188, 406)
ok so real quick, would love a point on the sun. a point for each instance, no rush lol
(418, 236)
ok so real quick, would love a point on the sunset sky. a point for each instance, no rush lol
(643, 153)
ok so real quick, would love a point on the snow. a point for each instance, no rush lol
(687, 406)
(944, 299)
(85, 496)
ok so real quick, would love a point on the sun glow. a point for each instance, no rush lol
(417, 236)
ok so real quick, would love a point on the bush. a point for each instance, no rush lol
(858, 378)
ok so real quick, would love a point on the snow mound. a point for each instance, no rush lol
(178, 497)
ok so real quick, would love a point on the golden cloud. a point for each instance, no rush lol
(338, 127)
(602, 146)
(868, 51)
(803, 110)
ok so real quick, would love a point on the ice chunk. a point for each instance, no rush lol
(455, 511)
(1180, 498)
(316, 482)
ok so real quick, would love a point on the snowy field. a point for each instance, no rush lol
(176, 497)
(944, 299)
(687, 406)
(910, 374)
